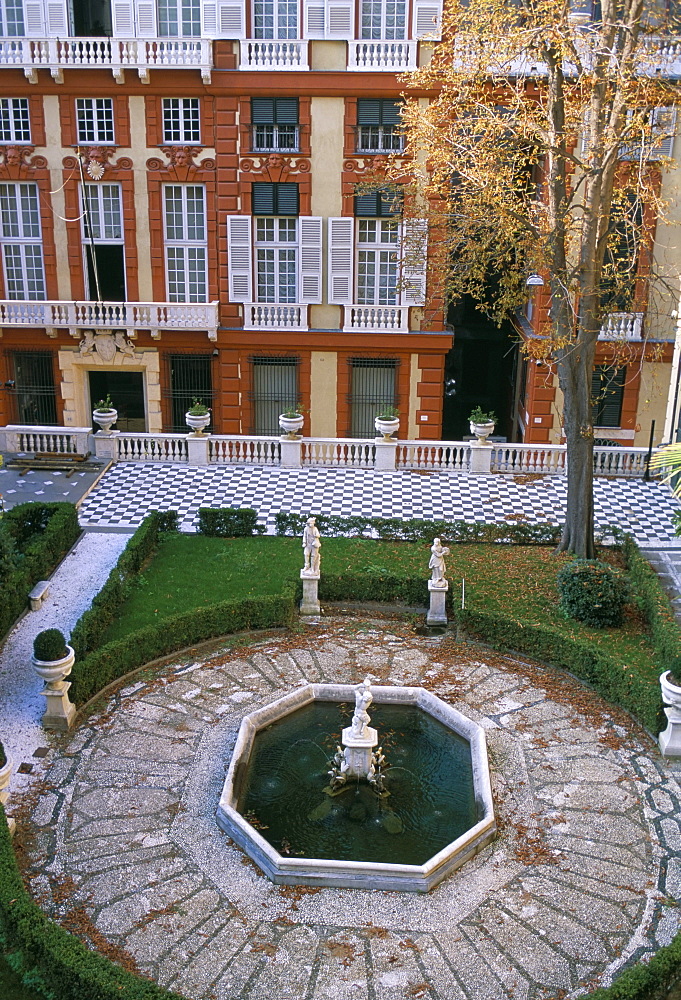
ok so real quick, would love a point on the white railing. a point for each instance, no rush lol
(129, 316)
(392, 56)
(116, 54)
(274, 316)
(273, 53)
(376, 319)
(662, 56)
(347, 453)
(544, 458)
(16, 438)
(445, 456)
(145, 447)
(251, 449)
(623, 461)
(622, 326)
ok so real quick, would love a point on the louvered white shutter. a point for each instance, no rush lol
(33, 18)
(341, 259)
(57, 19)
(663, 122)
(209, 18)
(146, 19)
(240, 255)
(232, 19)
(414, 260)
(315, 18)
(427, 16)
(310, 259)
(340, 19)
(123, 19)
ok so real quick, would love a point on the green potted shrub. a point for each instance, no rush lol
(482, 423)
(387, 421)
(291, 421)
(105, 414)
(53, 660)
(197, 416)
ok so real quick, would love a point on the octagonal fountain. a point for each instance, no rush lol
(313, 798)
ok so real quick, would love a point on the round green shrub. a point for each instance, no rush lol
(50, 645)
(592, 592)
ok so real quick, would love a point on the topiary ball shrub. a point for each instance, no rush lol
(50, 645)
(592, 592)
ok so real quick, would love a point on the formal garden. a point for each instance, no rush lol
(171, 591)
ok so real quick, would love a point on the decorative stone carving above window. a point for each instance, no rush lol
(274, 167)
(106, 345)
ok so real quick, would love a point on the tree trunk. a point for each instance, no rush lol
(575, 379)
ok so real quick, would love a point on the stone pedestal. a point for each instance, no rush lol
(106, 445)
(670, 739)
(197, 449)
(310, 602)
(60, 711)
(358, 751)
(291, 453)
(481, 458)
(5, 775)
(437, 614)
(386, 454)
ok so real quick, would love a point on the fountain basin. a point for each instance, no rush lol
(461, 840)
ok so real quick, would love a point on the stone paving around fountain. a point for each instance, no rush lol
(578, 882)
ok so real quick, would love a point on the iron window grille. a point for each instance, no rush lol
(275, 390)
(373, 385)
(34, 396)
(189, 376)
(378, 127)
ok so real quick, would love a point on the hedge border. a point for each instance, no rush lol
(43, 533)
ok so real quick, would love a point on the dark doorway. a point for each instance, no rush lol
(126, 390)
(91, 18)
(478, 371)
(110, 271)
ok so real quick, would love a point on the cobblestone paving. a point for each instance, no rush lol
(577, 884)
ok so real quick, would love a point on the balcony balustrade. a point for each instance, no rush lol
(275, 316)
(116, 54)
(129, 316)
(622, 326)
(274, 53)
(382, 55)
(377, 319)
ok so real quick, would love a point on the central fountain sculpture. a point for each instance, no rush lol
(360, 822)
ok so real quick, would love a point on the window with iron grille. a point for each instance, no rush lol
(34, 397)
(275, 18)
(607, 395)
(15, 122)
(21, 242)
(274, 122)
(378, 126)
(189, 377)
(186, 243)
(95, 119)
(181, 122)
(384, 19)
(12, 18)
(179, 18)
(275, 390)
(373, 385)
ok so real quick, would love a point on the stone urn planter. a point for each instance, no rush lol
(105, 419)
(670, 738)
(291, 425)
(197, 422)
(482, 431)
(60, 712)
(5, 775)
(387, 426)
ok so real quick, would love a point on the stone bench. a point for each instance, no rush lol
(39, 593)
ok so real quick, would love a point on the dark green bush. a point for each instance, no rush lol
(50, 645)
(41, 534)
(9, 558)
(229, 522)
(167, 520)
(653, 603)
(592, 592)
(3, 755)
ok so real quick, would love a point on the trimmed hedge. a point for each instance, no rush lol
(42, 534)
(102, 666)
(373, 586)
(653, 604)
(49, 958)
(229, 522)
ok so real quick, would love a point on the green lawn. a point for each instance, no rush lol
(190, 571)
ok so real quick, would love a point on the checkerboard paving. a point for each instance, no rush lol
(130, 490)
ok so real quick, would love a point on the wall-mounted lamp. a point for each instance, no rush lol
(534, 279)
(215, 352)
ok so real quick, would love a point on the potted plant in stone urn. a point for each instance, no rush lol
(105, 414)
(6, 767)
(291, 421)
(482, 423)
(197, 416)
(53, 658)
(387, 421)
(670, 683)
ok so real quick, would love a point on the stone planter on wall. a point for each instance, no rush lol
(291, 426)
(105, 419)
(197, 423)
(60, 712)
(387, 426)
(670, 739)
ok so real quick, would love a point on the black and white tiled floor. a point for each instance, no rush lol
(129, 490)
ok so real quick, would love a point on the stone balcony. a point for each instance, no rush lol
(275, 316)
(622, 326)
(154, 317)
(388, 56)
(274, 54)
(376, 319)
(114, 54)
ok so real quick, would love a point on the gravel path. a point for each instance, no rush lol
(72, 586)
